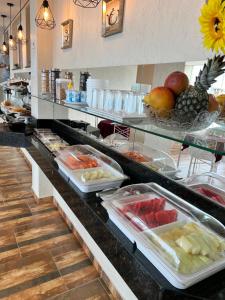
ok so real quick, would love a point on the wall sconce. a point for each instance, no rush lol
(44, 18)
(87, 3)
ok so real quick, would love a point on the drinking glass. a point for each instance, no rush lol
(94, 101)
(109, 101)
(118, 102)
(101, 94)
(140, 104)
(130, 102)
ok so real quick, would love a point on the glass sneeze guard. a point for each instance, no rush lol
(204, 139)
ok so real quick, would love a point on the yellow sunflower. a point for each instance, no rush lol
(212, 24)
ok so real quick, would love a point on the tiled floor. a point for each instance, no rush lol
(201, 167)
(39, 256)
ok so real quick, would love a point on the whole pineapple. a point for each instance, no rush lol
(195, 98)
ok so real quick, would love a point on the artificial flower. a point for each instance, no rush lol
(212, 21)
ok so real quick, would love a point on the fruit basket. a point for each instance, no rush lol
(180, 106)
(185, 244)
(178, 121)
(210, 185)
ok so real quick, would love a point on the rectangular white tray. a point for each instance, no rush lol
(74, 176)
(152, 252)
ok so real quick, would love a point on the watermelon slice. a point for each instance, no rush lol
(166, 217)
(150, 220)
(158, 204)
(143, 207)
(212, 195)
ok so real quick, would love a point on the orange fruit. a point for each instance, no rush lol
(161, 99)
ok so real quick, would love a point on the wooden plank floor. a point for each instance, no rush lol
(39, 257)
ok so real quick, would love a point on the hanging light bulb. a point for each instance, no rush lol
(4, 48)
(87, 3)
(20, 35)
(12, 43)
(46, 14)
(44, 18)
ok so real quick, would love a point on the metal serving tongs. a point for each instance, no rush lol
(195, 213)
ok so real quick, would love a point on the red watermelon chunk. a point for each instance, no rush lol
(166, 217)
(214, 196)
(150, 212)
(150, 220)
(147, 206)
(158, 204)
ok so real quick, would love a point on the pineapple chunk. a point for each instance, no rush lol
(185, 244)
(195, 248)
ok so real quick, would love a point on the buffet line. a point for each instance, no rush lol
(184, 243)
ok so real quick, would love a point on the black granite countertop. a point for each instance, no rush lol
(13, 138)
(142, 277)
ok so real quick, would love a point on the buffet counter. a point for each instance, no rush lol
(122, 264)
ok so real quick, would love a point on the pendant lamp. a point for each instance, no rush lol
(12, 43)
(87, 3)
(44, 18)
(20, 33)
(4, 48)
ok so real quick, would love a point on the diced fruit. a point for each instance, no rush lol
(193, 247)
(177, 82)
(166, 216)
(136, 156)
(80, 162)
(212, 195)
(95, 175)
(184, 243)
(151, 212)
(150, 220)
(144, 207)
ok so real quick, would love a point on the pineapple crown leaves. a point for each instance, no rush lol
(211, 70)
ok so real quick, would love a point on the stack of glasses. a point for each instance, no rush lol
(117, 101)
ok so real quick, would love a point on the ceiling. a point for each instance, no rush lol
(4, 9)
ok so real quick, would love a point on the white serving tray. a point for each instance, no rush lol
(152, 252)
(97, 185)
(180, 281)
(210, 187)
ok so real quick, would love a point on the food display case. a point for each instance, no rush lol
(89, 169)
(154, 159)
(184, 243)
(210, 185)
(51, 140)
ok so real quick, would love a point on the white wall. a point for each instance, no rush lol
(155, 31)
(119, 77)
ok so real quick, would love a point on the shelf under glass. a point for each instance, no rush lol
(211, 139)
